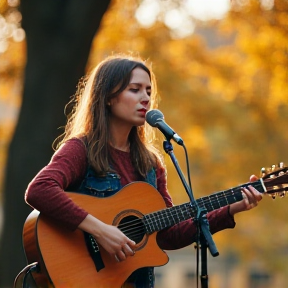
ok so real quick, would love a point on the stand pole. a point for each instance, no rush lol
(204, 269)
(203, 232)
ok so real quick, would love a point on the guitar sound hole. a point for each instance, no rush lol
(132, 227)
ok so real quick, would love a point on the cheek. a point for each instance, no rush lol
(127, 103)
(124, 104)
(122, 109)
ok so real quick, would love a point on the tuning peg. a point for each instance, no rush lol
(276, 180)
(281, 165)
(264, 171)
(282, 194)
(273, 168)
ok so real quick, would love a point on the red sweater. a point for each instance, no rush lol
(67, 169)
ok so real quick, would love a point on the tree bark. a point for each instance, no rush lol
(59, 36)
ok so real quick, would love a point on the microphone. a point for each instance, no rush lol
(155, 118)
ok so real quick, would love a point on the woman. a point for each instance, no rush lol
(106, 138)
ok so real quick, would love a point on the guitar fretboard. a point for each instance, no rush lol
(159, 220)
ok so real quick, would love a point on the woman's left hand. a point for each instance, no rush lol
(251, 197)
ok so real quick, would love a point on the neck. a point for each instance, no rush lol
(119, 137)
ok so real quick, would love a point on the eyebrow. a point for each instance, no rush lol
(139, 85)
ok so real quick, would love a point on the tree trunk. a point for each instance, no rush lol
(59, 36)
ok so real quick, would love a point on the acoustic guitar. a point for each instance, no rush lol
(73, 259)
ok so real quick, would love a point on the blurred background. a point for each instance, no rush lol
(221, 68)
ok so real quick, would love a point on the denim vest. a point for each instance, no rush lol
(105, 187)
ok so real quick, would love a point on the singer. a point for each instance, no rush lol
(107, 145)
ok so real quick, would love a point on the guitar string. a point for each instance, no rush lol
(206, 200)
(129, 226)
(189, 211)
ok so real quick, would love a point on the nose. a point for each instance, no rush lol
(145, 103)
(145, 99)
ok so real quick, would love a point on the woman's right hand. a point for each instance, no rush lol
(109, 237)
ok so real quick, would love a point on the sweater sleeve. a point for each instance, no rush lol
(184, 233)
(46, 192)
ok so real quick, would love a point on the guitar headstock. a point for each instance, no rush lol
(275, 179)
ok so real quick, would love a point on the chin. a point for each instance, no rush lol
(139, 123)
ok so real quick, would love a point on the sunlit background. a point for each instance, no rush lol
(222, 77)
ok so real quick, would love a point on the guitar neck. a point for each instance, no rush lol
(162, 219)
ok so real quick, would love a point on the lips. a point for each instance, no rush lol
(143, 110)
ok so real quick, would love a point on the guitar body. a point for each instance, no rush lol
(63, 256)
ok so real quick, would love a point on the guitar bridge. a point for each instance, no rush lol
(94, 251)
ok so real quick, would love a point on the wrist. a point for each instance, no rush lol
(236, 208)
(91, 225)
(230, 212)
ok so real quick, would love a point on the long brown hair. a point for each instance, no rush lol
(89, 117)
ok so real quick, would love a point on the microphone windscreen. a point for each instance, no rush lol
(153, 116)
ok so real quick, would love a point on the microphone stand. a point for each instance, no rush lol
(203, 232)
